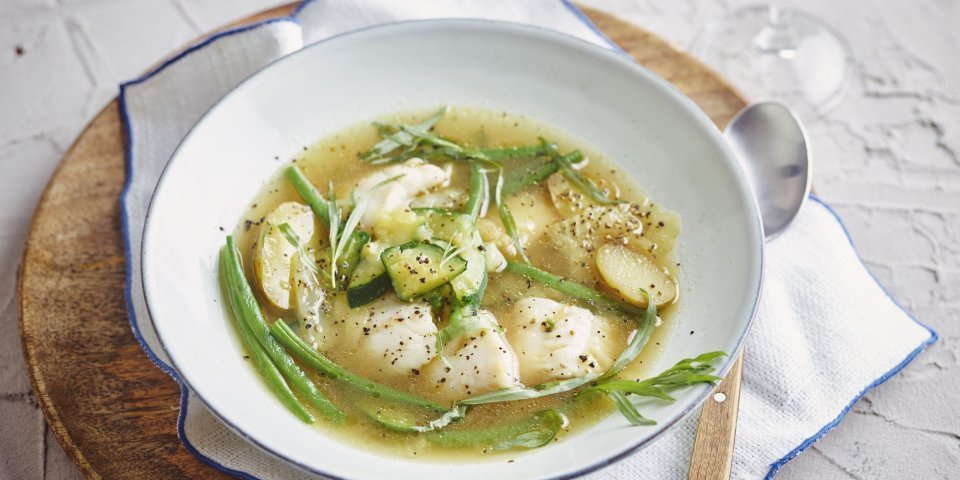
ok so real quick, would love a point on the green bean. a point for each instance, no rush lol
(569, 287)
(268, 371)
(511, 153)
(518, 179)
(575, 177)
(506, 218)
(247, 310)
(350, 257)
(479, 191)
(309, 193)
(395, 138)
(286, 336)
(531, 432)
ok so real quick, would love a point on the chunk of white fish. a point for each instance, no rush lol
(554, 341)
(492, 232)
(399, 338)
(496, 262)
(449, 198)
(478, 362)
(415, 177)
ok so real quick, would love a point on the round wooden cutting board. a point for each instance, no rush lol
(113, 411)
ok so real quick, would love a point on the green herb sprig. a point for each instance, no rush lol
(479, 192)
(463, 321)
(305, 258)
(687, 372)
(321, 364)
(333, 209)
(645, 325)
(394, 139)
(575, 177)
(506, 218)
(340, 234)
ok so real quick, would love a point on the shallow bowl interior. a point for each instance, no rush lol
(637, 119)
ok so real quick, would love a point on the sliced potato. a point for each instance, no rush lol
(660, 227)
(568, 200)
(630, 272)
(582, 234)
(578, 237)
(532, 211)
(274, 253)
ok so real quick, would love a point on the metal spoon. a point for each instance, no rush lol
(772, 147)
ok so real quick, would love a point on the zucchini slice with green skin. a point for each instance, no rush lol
(416, 268)
(460, 230)
(368, 283)
(349, 258)
(351, 253)
(447, 225)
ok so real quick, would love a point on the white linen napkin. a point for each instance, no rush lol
(825, 332)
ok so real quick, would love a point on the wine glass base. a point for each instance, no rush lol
(809, 73)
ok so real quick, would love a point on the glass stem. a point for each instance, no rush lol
(777, 36)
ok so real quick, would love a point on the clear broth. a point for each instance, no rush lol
(336, 158)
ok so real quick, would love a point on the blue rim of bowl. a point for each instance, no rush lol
(516, 29)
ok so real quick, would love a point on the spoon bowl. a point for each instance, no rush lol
(771, 145)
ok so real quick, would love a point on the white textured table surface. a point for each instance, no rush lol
(888, 159)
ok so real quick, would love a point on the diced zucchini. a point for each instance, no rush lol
(364, 293)
(350, 257)
(462, 232)
(416, 268)
(470, 286)
(446, 225)
(439, 298)
(369, 280)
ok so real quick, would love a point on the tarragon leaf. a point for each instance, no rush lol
(393, 142)
(629, 410)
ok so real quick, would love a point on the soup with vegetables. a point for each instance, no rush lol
(463, 282)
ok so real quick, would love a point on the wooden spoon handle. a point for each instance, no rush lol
(712, 453)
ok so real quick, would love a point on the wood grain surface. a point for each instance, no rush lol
(712, 454)
(114, 412)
